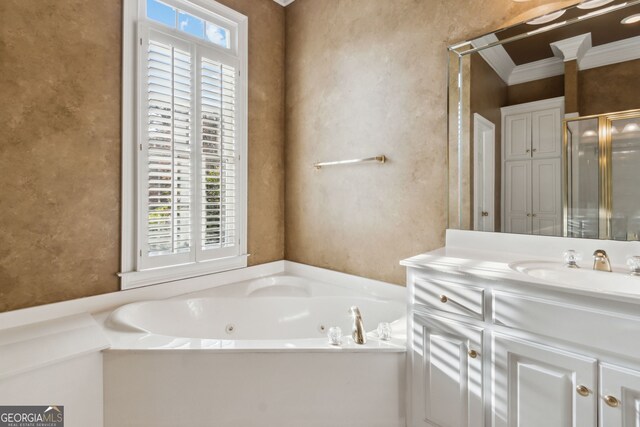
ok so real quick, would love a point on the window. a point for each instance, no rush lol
(175, 18)
(184, 157)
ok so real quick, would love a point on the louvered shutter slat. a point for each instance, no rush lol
(217, 97)
(169, 149)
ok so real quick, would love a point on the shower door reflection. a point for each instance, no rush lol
(625, 179)
(583, 178)
(603, 176)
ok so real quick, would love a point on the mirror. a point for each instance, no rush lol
(544, 125)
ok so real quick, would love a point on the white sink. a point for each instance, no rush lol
(619, 281)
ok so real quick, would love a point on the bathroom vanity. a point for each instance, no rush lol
(512, 337)
(502, 332)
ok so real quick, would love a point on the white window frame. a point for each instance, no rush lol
(135, 24)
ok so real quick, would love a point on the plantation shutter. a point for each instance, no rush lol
(167, 151)
(189, 154)
(218, 154)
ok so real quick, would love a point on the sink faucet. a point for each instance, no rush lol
(601, 261)
(358, 333)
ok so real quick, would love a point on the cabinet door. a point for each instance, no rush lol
(535, 385)
(546, 133)
(446, 373)
(619, 397)
(546, 199)
(517, 138)
(517, 197)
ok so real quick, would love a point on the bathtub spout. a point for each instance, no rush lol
(358, 333)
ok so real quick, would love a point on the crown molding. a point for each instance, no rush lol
(284, 2)
(611, 53)
(497, 57)
(573, 48)
(537, 70)
(578, 48)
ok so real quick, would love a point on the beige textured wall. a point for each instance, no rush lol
(609, 89)
(59, 150)
(60, 66)
(536, 90)
(367, 77)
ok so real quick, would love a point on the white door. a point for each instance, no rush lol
(484, 141)
(517, 136)
(546, 197)
(536, 386)
(517, 197)
(619, 397)
(446, 373)
(546, 133)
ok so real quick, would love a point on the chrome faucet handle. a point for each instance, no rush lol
(601, 261)
(571, 258)
(634, 265)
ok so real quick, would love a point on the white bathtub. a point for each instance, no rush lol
(275, 312)
(255, 353)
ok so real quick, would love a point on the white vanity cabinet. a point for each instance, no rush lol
(448, 362)
(620, 392)
(538, 385)
(487, 351)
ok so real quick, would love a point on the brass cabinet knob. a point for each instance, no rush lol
(612, 401)
(582, 390)
(528, 215)
(534, 150)
(443, 298)
(527, 150)
(473, 354)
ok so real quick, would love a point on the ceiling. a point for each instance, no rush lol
(604, 29)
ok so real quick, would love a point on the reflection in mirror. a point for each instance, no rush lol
(604, 154)
(544, 126)
(583, 183)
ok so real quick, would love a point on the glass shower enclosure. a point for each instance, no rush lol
(602, 176)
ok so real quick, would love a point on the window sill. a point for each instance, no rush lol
(137, 279)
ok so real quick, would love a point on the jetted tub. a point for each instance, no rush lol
(277, 309)
(256, 353)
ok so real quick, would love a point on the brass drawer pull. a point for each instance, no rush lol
(583, 390)
(473, 354)
(612, 401)
(443, 298)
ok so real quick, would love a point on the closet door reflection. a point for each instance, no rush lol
(625, 178)
(583, 178)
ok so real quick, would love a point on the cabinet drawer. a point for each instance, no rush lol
(450, 297)
(607, 331)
